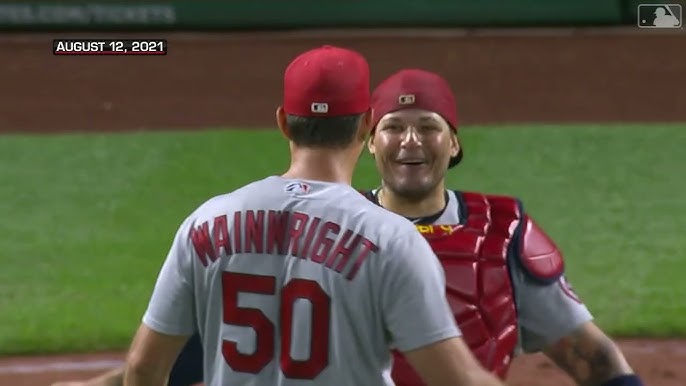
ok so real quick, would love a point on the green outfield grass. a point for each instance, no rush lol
(86, 220)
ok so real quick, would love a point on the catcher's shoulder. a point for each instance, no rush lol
(535, 251)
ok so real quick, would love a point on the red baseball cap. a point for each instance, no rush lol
(327, 82)
(416, 89)
(413, 88)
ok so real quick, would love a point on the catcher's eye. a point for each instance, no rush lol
(393, 128)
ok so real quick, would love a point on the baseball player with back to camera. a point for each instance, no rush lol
(298, 279)
(524, 303)
(504, 274)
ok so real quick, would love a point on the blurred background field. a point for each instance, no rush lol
(92, 217)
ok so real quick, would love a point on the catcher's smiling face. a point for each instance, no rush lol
(412, 149)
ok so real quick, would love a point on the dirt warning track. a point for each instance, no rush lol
(660, 363)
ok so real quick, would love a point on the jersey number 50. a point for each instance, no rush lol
(233, 283)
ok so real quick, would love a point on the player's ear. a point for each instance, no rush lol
(454, 144)
(370, 145)
(370, 141)
(282, 122)
(365, 125)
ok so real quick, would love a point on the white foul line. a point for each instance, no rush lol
(60, 367)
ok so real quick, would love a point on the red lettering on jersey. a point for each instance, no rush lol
(322, 247)
(367, 246)
(237, 232)
(276, 231)
(200, 237)
(254, 231)
(298, 222)
(310, 235)
(320, 321)
(344, 251)
(220, 233)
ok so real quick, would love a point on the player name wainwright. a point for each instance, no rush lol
(283, 233)
(109, 47)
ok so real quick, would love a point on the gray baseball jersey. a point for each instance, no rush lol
(545, 313)
(293, 282)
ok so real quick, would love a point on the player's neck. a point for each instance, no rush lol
(413, 207)
(321, 165)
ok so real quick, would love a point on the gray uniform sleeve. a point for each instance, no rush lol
(546, 312)
(412, 294)
(171, 309)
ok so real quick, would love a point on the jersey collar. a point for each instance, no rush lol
(373, 196)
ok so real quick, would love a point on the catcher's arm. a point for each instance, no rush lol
(591, 357)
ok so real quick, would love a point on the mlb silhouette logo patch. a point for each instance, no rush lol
(297, 188)
(659, 16)
(320, 108)
(407, 99)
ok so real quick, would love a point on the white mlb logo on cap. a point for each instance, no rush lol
(320, 108)
(407, 99)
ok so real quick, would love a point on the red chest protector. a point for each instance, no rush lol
(475, 259)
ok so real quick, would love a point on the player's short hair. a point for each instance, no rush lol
(326, 132)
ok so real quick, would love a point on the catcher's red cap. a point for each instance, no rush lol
(413, 88)
(327, 82)
(418, 89)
